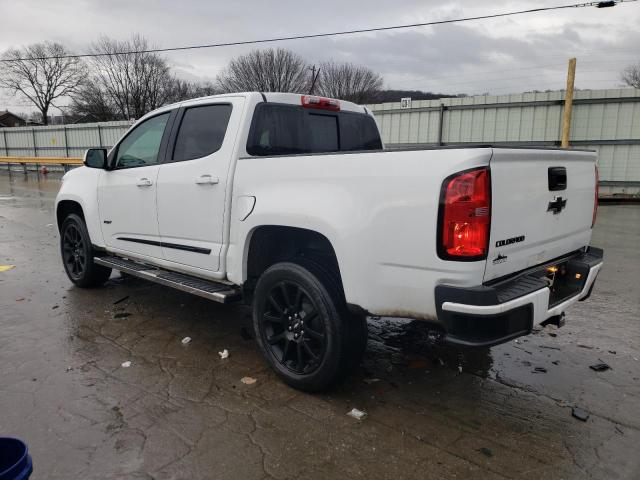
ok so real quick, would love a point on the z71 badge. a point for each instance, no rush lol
(499, 259)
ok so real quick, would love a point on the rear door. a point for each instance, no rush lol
(192, 183)
(542, 207)
(127, 193)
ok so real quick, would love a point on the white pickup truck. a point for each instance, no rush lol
(290, 203)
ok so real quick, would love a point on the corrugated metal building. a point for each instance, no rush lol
(605, 120)
(60, 140)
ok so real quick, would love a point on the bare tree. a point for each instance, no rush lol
(38, 73)
(348, 81)
(131, 81)
(184, 90)
(91, 103)
(271, 70)
(631, 76)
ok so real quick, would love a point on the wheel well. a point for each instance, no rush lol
(272, 244)
(65, 208)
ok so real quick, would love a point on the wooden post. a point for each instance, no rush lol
(568, 104)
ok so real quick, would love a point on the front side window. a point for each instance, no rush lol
(202, 131)
(140, 148)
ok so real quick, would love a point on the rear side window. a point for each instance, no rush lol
(201, 132)
(279, 129)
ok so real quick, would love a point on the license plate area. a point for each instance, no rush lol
(565, 280)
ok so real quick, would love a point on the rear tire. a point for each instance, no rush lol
(302, 325)
(77, 254)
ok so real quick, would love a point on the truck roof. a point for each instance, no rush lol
(276, 97)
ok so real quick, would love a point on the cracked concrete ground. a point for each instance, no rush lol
(181, 412)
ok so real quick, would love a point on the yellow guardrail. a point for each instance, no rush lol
(42, 160)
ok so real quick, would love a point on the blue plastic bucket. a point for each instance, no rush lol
(15, 462)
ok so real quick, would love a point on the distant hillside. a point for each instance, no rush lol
(396, 95)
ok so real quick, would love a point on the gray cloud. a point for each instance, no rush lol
(499, 56)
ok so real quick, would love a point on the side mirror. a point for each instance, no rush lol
(96, 158)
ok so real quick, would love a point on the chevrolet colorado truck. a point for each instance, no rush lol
(291, 204)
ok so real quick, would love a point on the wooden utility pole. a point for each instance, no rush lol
(568, 104)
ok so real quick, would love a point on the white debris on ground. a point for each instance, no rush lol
(369, 381)
(224, 354)
(126, 364)
(357, 414)
(186, 340)
(248, 380)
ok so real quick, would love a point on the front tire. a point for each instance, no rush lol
(77, 254)
(300, 321)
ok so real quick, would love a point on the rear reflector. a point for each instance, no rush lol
(323, 103)
(465, 216)
(595, 200)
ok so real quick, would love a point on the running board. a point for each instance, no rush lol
(216, 291)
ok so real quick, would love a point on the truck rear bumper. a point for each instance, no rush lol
(500, 311)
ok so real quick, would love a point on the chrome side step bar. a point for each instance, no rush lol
(216, 291)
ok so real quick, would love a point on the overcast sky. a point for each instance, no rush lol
(505, 55)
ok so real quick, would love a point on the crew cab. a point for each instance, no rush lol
(291, 203)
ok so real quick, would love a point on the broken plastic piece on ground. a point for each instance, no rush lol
(599, 367)
(369, 381)
(248, 380)
(126, 364)
(49, 225)
(357, 414)
(580, 414)
(121, 300)
(224, 354)
(186, 340)
(4, 268)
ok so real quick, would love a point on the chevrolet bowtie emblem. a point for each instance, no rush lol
(557, 205)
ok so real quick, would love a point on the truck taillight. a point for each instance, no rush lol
(311, 101)
(465, 216)
(595, 200)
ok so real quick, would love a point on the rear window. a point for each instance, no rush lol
(279, 129)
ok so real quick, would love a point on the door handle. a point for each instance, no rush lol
(207, 180)
(144, 182)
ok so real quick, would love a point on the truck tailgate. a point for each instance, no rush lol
(534, 218)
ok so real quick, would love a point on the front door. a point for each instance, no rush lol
(192, 183)
(127, 193)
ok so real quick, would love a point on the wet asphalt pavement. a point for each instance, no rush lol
(181, 412)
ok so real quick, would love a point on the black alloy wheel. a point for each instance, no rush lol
(74, 252)
(77, 254)
(302, 324)
(294, 331)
